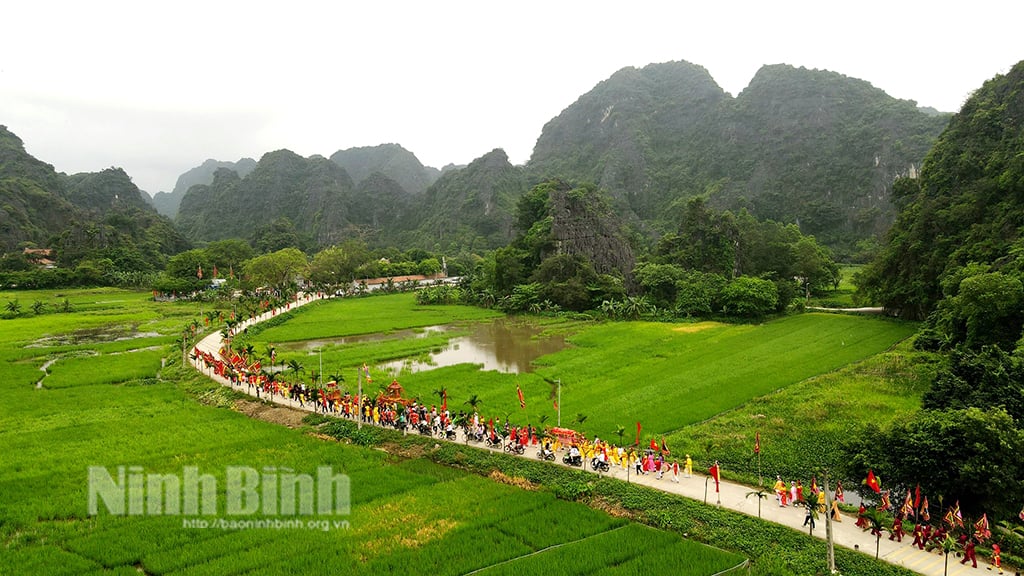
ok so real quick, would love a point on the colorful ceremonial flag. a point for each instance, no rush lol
(981, 531)
(839, 491)
(908, 506)
(444, 400)
(873, 482)
(957, 517)
(654, 444)
(231, 271)
(714, 474)
(757, 443)
(917, 497)
(519, 392)
(814, 484)
(926, 515)
(637, 443)
(554, 404)
(664, 447)
(948, 517)
(886, 504)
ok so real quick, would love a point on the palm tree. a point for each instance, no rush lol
(295, 367)
(761, 495)
(38, 307)
(876, 522)
(948, 545)
(14, 307)
(620, 431)
(441, 394)
(474, 401)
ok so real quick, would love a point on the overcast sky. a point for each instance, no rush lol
(158, 87)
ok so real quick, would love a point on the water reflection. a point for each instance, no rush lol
(379, 337)
(506, 345)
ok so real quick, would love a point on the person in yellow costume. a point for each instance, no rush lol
(689, 466)
(821, 501)
(779, 487)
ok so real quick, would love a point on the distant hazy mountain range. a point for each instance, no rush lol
(810, 147)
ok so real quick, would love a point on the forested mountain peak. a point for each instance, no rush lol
(391, 160)
(167, 203)
(810, 147)
(965, 213)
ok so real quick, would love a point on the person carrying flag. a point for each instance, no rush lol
(969, 553)
(897, 527)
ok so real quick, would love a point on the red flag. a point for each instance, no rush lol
(664, 448)
(757, 443)
(554, 403)
(917, 497)
(926, 515)
(519, 392)
(714, 474)
(814, 484)
(444, 400)
(839, 491)
(654, 444)
(873, 482)
(637, 443)
(199, 272)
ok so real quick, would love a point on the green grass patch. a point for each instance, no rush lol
(417, 516)
(351, 316)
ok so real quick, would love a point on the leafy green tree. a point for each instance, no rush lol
(986, 379)
(989, 309)
(660, 282)
(970, 455)
(428, 266)
(228, 255)
(750, 297)
(565, 280)
(186, 265)
(277, 268)
(700, 293)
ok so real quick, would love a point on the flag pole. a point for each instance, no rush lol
(559, 402)
(359, 414)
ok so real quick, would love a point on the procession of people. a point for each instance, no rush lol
(387, 408)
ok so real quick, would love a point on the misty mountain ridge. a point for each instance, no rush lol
(810, 147)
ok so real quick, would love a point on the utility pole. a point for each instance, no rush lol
(828, 527)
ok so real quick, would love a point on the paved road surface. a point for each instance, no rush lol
(732, 495)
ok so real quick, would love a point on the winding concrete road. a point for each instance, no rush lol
(731, 495)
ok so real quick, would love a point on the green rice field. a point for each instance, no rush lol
(106, 401)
